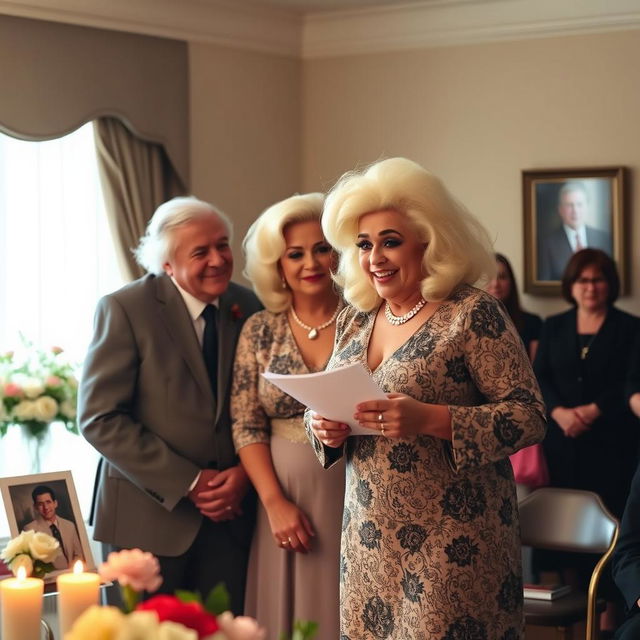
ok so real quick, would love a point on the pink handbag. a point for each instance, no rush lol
(530, 466)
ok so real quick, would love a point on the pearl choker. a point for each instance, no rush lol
(314, 332)
(398, 320)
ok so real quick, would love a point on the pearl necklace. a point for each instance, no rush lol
(314, 332)
(398, 320)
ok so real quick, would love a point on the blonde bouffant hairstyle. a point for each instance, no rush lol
(458, 249)
(264, 245)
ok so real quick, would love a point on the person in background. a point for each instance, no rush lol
(430, 545)
(626, 562)
(296, 547)
(154, 401)
(49, 522)
(504, 288)
(581, 364)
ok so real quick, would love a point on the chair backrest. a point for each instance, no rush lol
(566, 520)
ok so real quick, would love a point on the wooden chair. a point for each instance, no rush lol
(574, 521)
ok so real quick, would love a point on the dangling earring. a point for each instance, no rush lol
(284, 282)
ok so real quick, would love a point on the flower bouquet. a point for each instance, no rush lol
(37, 387)
(33, 551)
(183, 616)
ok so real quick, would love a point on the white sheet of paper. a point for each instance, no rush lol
(333, 394)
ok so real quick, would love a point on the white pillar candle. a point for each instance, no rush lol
(77, 591)
(21, 604)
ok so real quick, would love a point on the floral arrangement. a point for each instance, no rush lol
(33, 550)
(164, 617)
(37, 388)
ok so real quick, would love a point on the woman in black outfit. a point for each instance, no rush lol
(582, 363)
(504, 288)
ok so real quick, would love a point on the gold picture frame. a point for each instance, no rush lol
(588, 202)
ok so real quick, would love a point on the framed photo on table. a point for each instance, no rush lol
(566, 210)
(48, 502)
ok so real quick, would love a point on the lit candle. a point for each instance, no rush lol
(77, 591)
(21, 605)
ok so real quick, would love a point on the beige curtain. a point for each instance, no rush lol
(136, 177)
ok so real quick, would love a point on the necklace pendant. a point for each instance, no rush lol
(313, 334)
(584, 352)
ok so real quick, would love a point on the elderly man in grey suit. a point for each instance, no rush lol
(49, 522)
(154, 401)
(573, 235)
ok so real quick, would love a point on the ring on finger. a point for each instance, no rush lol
(380, 418)
(382, 428)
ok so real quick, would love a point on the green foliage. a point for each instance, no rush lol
(218, 600)
(302, 630)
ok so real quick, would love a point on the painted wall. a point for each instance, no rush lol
(476, 116)
(245, 131)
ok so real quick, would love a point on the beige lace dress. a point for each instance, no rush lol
(430, 547)
(283, 586)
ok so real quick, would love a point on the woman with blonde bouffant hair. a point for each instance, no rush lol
(296, 546)
(430, 545)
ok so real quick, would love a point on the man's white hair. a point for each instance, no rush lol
(156, 245)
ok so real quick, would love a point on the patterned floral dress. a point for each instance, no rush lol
(283, 586)
(430, 543)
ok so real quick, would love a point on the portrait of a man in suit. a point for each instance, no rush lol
(154, 401)
(572, 232)
(45, 504)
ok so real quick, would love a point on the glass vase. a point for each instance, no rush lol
(36, 437)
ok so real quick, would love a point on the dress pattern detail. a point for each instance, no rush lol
(303, 586)
(430, 547)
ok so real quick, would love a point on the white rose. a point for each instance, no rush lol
(44, 547)
(139, 625)
(24, 410)
(21, 560)
(72, 381)
(68, 409)
(46, 409)
(173, 631)
(32, 387)
(19, 544)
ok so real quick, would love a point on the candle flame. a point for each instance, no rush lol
(22, 573)
(78, 567)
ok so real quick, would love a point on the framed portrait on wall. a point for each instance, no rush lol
(47, 502)
(566, 210)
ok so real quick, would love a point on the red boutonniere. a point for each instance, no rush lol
(236, 312)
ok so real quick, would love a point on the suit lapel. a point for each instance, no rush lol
(180, 326)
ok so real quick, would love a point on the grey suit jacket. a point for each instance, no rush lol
(145, 403)
(70, 540)
(555, 251)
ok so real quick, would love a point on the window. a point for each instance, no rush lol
(56, 261)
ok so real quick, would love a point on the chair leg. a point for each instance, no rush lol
(564, 633)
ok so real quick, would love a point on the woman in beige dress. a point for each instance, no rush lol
(430, 544)
(294, 562)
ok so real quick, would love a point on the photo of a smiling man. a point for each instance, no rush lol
(45, 504)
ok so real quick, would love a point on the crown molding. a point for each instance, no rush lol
(224, 22)
(439, 23)
(399, 26)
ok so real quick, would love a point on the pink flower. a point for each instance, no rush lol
(56, 350)
(53, 381)
(240, 628)
(13, 390)
(138, 569)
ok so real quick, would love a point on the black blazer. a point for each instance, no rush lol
(626, 559)
(604, 459)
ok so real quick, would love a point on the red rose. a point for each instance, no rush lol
(236, 312)
(189, 614)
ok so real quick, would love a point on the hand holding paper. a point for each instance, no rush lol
(333, 394)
